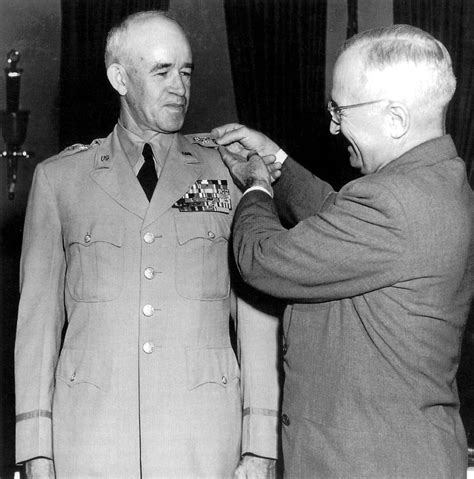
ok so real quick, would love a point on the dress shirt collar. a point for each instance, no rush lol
(132, 145)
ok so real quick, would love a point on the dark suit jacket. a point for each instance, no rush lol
(378, 291)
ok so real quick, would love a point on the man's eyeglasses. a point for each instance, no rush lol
(335, 110)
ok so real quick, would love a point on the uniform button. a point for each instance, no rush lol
(148, 310)
(87, 238)
(285, 420)
(148, 347)
(149, 273)
(73, 377)
(149, 237)
(284, 349)
(224, 380)
(211, 234)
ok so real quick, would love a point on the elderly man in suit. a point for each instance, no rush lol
(375, 275)
(145, 382)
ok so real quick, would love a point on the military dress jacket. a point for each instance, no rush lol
(145, 382)
(378, 291)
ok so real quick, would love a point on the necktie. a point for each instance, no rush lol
(147, 175)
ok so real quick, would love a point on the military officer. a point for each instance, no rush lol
(126, 242)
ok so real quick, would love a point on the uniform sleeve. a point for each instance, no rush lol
(355, 244)
(258, 351)
(40, 321)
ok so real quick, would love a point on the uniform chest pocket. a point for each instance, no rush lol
(202, 256)
(94, 261)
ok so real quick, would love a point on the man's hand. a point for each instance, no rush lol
(247, 172)
(40, 468)
(242, 140)
(253, 467)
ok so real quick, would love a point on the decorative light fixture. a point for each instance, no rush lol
(14, 122)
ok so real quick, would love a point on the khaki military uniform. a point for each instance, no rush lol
(146, 383)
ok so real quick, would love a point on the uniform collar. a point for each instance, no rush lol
(132, 145)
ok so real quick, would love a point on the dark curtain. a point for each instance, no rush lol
(88, 104)
(277, 51)
(451, 22)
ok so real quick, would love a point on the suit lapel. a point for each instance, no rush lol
(181, 169)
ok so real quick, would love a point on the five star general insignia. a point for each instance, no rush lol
(206, 195)
(203, 139)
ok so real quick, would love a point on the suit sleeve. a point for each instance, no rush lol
(40, 321)
(298, 193)
(355, 244)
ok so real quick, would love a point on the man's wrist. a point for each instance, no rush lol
(261, 185)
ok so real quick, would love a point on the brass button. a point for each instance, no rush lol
(224, 380)
(285, 420)
(149, 237)
(148, 347)
(149, 273)
(211, 234)
(87, 238)
(73, 377)
(148, 310)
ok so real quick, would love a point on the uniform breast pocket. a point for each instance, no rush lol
(202, 261)
(94, 261)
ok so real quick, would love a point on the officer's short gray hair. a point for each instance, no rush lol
(115, 44)
(398, 45)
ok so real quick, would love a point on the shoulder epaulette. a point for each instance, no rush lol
(202, 139)
(77, 147)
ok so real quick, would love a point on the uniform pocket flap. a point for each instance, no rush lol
(78, 366)
(187, 230)
(87, 234)
(211, 365)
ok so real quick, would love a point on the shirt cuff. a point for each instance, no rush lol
(260, 188)
(280, 156)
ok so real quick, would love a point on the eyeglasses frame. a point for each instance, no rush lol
(335, 110)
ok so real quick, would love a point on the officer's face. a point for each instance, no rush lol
(363, 126)
(158, 76)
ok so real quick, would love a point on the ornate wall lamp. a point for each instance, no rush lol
(14, 122)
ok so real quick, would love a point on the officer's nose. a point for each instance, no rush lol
(178, 85)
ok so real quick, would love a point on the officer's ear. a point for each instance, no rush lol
(117, 76)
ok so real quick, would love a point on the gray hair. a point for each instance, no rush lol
(398, 45)
(114, 47)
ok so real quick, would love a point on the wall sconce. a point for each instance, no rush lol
(14, 122)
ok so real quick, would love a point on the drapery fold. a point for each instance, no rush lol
(277, 50)
(88, 105)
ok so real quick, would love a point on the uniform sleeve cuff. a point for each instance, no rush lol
(260, 433)
(33, 438)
